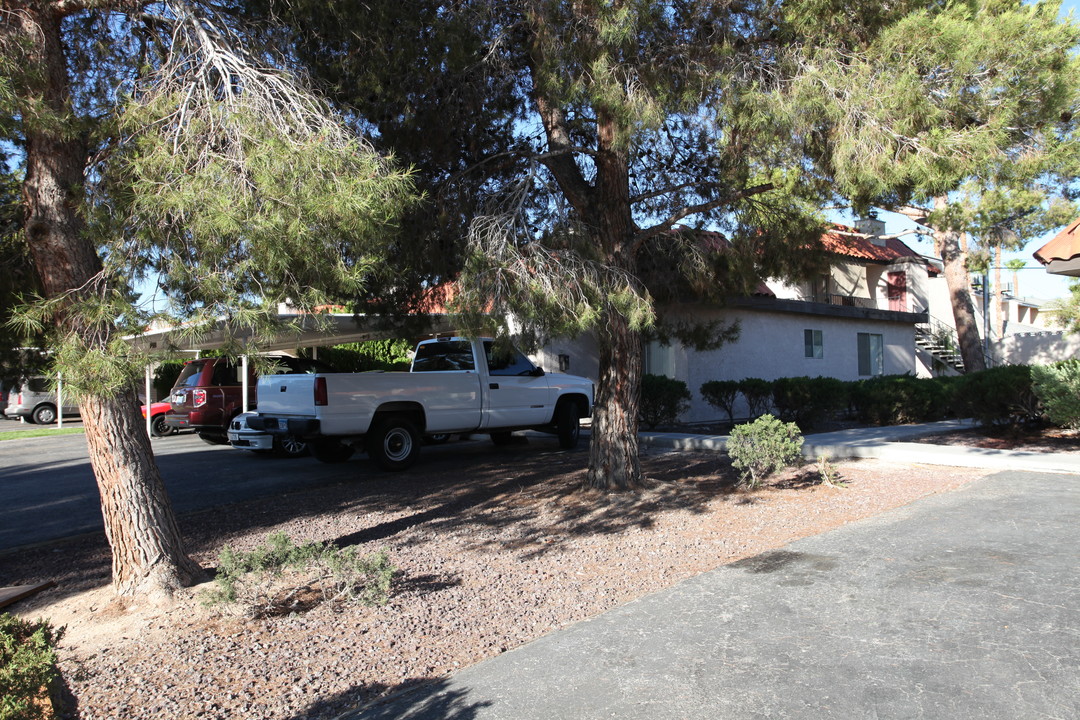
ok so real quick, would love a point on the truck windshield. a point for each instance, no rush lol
(444, 356)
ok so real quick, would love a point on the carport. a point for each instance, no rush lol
(304, 330)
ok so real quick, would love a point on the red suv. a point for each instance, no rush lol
(209, 394)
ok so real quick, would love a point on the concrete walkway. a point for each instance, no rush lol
(888, 443)
(962, 606)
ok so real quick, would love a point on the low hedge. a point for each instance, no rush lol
(997, 396)
(807, 401)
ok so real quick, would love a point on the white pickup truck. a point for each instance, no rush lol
(455, 385)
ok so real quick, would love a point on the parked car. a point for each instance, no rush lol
(243, 437)
(208, 394)
(158, 426)
(34, 401)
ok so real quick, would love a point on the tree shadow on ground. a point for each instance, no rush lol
(462, 487)
(414, 698)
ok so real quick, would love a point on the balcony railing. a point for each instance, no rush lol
(850, 301)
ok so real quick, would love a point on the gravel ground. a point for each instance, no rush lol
(489, 556)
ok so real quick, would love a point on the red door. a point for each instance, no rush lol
(897, 291)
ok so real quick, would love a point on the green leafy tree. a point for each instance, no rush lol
(961, 117)
(16, 280)
(155, 142)
(1065, 312)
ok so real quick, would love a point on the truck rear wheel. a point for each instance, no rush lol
(394, 444)
(330, 450)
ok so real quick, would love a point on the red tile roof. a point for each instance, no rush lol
(840, 243)
(717, 242)
(1065, 245)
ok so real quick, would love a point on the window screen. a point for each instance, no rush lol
(871, 348)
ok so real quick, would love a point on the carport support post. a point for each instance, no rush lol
(149, 420)
(244, 382)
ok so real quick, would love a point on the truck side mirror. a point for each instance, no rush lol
(538, 372)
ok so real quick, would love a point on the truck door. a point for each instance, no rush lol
(518, 393)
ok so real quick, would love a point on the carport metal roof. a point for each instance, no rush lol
(314, 331)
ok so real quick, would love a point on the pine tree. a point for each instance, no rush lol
(620, 121)
(154, 142)
(961, 118)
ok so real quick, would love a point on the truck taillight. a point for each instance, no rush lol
(198, 398)
(320, 391)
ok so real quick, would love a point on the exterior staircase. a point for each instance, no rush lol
(939, 339)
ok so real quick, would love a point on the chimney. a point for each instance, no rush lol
(874, 228)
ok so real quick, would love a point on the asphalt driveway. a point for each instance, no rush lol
(960, 606)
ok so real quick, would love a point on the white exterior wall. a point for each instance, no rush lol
(1035, 348)
(582, 352)
(849, 279)
(771, 345)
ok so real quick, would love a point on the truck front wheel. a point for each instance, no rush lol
(395, 444)
(567, 426)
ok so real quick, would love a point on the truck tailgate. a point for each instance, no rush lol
(287, 395)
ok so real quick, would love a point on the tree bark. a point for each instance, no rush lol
(947, 245)
(147, 549)
(613, 451)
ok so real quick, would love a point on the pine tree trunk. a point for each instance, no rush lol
(147, 550)
(613, 452)
(613, 449)
(947, 245)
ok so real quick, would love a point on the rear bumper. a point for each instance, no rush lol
(298, 427)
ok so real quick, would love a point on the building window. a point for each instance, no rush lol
(871, 354)
(660, 359)
(814, 346)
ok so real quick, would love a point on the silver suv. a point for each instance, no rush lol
(32, 399)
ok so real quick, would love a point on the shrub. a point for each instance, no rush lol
(763, 447)
(165, 376)
(721, 395)
(807, 401)
(1057, 387)
(757, 393)
(27, 667)
(997, 396)
(898, 399)
(267, 580)
(388, 355)
(662, 400)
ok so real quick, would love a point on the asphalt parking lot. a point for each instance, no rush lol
(48, 491)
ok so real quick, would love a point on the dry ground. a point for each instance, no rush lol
(493, 549)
